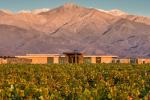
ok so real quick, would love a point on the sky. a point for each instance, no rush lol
(137, 7)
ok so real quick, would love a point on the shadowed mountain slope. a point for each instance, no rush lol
(70, 27)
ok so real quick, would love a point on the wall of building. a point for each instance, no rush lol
(143, 61)
(147, 61)
(86, 59)
(56, 60)
(106, 59)
(42, 59)
(45, 60)
(0, 60)
(93, 60)
(3, 61)
(140, 61)
(15, 61)
(124, 61)
(81, 59)
(18, 61)
(39, 60)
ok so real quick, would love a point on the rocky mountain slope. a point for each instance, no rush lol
(70, 27)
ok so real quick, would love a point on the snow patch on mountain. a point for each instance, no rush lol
(114, 12)
(6, 11)
(36, 11)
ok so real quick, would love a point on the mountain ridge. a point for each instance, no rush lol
(71, 27)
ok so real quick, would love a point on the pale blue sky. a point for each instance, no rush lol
(139, 7)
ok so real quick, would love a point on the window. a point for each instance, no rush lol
(87, 60)
(50, 60)
(62, 60)
(133, 61)
(98, 59)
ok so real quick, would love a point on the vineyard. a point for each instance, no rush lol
(75, 82)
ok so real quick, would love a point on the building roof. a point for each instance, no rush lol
(63, 55)
(39, 55)
(7, 57)
(72, 53)
(43, 54)
(100, 56)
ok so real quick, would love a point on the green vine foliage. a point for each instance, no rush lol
(75, 82)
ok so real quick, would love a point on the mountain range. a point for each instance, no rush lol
(72, 27)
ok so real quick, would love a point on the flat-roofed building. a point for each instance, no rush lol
(3, 61)
(122, 60)
(73, 57)
(14, 60)
(42, 58)
(147, 60)
(68, 57)
(143, 60)
(108, 59)
(99, 58)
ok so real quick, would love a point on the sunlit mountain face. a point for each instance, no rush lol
(71, 27)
